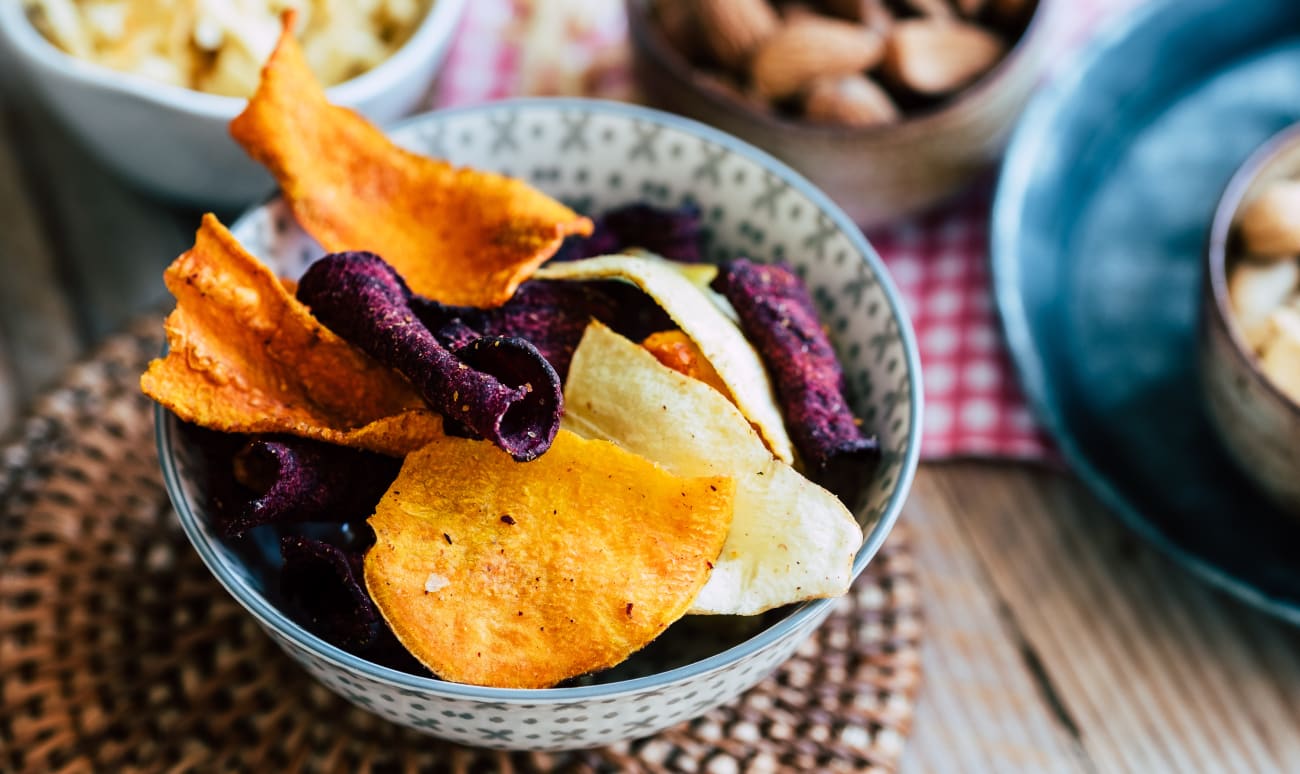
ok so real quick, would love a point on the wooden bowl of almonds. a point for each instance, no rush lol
(1250, 319)
(888, 105)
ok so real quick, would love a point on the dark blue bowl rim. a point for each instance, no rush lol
(273, 618)
(1037, 127)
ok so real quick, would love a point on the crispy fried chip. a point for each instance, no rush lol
(778, 315)
(552, 315)
(293, 480)
(246, 357)
(673, 234)
(676, 350)
(322, 585)
(718, 337)
(520, 576)
(497, 388)
(790, 539)
(458, 236)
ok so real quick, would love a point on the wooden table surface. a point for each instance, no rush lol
(1056, 640)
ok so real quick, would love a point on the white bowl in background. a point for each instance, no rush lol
(174, 142)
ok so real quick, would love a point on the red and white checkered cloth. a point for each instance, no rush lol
(973, 403)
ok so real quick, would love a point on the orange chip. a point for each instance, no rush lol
(677, 351)
(246, 357)
(458, 236)
(497, 573)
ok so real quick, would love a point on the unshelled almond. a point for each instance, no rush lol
(734, 29)
(849, 100)
(938, 56)
(800, 53)
(1270, 225)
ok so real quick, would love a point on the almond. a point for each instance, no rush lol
(733, 29)
(799, 53)
(1270, 225)
(938, 56)
(849, 100)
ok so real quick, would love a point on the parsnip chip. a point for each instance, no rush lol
(246, 357)
(718, 337)
(458, 236)
(492, 572)
(790, 539)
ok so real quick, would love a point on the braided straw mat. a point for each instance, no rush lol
(119, 652)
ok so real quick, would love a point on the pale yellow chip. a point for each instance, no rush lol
(718, 337)
(790, 540)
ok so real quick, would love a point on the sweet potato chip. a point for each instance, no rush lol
(790, 539)
(458, 236)
(676, 350)
(519, 576)
(718, 337)
(246, 357)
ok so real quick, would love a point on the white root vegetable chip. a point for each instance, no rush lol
(717, 336)
(790, 540)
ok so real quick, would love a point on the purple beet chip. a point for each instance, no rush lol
(294, 480)
(551, 315)
(361, 298)
(674, 234)
(322, 587)
(777, 315)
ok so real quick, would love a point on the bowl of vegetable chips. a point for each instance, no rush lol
(539, 424)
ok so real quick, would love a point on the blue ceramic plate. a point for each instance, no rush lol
(1100, 220)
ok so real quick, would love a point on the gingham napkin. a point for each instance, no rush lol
(973, 404)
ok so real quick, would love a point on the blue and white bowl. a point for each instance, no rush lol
(596, 156)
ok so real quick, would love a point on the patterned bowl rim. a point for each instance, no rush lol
(278, 622)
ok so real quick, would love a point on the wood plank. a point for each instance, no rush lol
(1157, 671)
(980, 708)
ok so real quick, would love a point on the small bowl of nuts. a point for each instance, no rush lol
(888, 105)
(1250, 318)
(150, 88)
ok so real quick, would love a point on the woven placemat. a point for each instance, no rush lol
(119, 652)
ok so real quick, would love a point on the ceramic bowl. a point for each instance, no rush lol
(595, 156)
(173, 142)
(1259, 424)
(876, 173)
